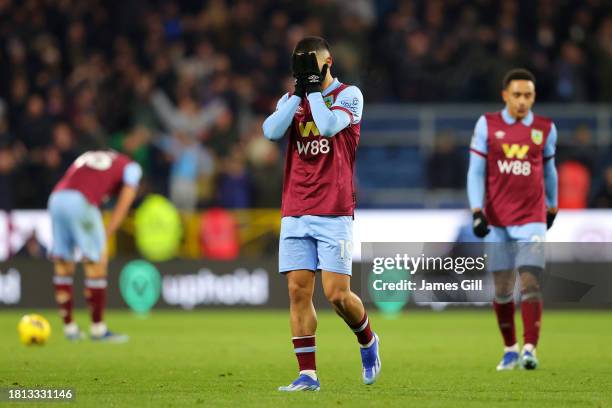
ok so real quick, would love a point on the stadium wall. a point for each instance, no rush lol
(258, 230)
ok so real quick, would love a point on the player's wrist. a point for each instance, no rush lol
(480, 224)
(299, 90)
(312, 89)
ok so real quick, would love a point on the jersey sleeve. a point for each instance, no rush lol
(551, 143)
(282, 100)
(132, 173)
(350, 100)
(476, 180)
(479, 139)
(275, 125)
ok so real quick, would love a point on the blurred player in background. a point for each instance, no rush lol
(323, 117)
(77, 224)
(512, 189)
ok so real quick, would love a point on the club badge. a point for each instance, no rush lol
(329, 100)
(537, 136)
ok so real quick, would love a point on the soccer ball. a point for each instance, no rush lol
(33, 329)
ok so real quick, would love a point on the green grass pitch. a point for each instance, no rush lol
(239, 358)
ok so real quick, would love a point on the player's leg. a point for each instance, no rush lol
(91, 240)
(500, 254)
(531, 313)
(348, 305)
(62, 253)
(303, 317)
(303, 321)
(337, 289)
(297, 260)
(334, 248)
(530, 264)
(504, 308)
(63, 282)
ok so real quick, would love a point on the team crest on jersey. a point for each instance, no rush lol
(500, 134)
(537, 136)
(329, 100)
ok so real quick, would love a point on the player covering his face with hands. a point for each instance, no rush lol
(322, 118)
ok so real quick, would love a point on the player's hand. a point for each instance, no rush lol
(480, 225)
(298, 67)
(307, 74)
(551, 214)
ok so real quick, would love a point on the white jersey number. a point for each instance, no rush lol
(97, 160)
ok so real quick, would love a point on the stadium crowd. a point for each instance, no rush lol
(183, 86)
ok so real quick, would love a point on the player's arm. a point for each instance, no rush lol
(131, 178)
(164, 109)
(275, 125)
(478, 164)
(209, 114)
(550, 176)
(345, 111)
(476, 177)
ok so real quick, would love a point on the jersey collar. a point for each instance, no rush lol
(335, 83)
(527, 120)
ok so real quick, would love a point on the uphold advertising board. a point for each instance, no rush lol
(582, 280)
(140, 285)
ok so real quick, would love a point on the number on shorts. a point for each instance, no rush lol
(346, 249)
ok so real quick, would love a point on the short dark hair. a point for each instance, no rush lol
(517, 74)
(312, 43)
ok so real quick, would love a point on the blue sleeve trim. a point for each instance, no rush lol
(350, 100)
(479, 139)
(551, 143)
(132, 173)
(551, 181)
(476, 180)
(275, 125)
(328, 122)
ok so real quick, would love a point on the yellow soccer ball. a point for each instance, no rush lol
(33, 329)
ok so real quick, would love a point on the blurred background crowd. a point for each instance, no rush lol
(183, 86)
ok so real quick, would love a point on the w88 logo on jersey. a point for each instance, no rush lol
(313, 147)
(515, 167)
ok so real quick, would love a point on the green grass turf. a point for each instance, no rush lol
(239, 358)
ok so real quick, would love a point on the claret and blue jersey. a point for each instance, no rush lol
(512, 172)
(318, 194)
(73, 205)
(512, 176)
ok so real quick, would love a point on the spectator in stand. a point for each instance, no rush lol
(7, 175)
(107, 68)
(266, 171)
(234, 185)
(187, 117)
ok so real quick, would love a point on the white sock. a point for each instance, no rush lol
(529, 347)
(71, 329)
(98, 329)
(514, 348)
(311, 373)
